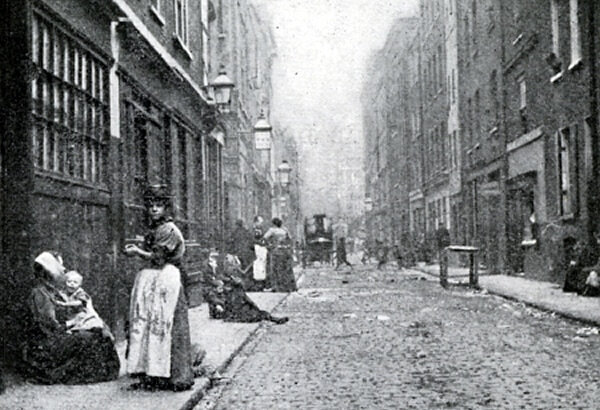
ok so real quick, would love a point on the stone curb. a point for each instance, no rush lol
(206, 384)
(538, 305)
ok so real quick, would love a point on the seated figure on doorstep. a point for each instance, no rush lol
(52, 354)
(226, 295)
(579, 256)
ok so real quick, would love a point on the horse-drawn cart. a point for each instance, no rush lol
(318, 236)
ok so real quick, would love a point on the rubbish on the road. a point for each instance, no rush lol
(535, 313)
(350, 315)
(416, 324)
(346, 335)
(588, 331)
(383, 318)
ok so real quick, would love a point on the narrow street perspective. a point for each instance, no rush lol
(372, 339)
(299, 204)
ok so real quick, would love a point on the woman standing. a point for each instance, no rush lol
(259, 266)
(281, 277)
(159, 350)
(54, 354)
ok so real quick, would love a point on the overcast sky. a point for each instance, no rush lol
(322, 51)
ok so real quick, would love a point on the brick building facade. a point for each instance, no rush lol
(99, 99)
(514, 168)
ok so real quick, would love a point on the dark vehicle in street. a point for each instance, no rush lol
(318, 234)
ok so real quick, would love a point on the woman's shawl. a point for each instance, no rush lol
(166, 243)
(42, 304)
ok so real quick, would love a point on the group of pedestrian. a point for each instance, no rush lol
(582, 266)
(67, 342)
(265, 255)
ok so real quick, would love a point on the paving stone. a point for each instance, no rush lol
(438, 349)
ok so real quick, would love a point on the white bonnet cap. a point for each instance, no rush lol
(52, 264)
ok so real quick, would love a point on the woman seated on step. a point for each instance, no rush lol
(52, 352)
(225, 293)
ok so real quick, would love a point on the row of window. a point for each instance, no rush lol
(436, 149)
(181, 12)
(433, 73)
(70, 131)
(70, 107)
(558, 9)
(436, 213)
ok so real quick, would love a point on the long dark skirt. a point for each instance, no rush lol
(77, 358)
(182, 376)
(281, 274)
(238, 307)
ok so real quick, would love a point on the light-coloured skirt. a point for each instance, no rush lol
(259, 267)
(152, 309)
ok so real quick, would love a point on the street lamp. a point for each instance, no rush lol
(221, 90)
(262, 133)
(284, 171)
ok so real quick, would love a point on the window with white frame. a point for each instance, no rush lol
(567, 164)
(555, 28)
(205, 37)
(70, 104)
(181, 20)
(575, 32)
(523, 104)
(493, 103)
(156, 11)
(453, 86)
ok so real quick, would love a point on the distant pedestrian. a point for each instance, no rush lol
(259, 266)
(366, 252)
(442, 239)
(398, 256)
(382, 254)
(340, 252)
(578, 256)
(241, 244)
(281, 273)
(592, 284)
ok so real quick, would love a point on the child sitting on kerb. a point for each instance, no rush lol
(85, 316)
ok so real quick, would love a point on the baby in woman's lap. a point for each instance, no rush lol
(84, 315)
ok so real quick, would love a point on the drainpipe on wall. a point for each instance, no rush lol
(113, 78)
(593, 204)
(505, 168)
(115, 172)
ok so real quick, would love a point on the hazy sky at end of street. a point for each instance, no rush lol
(322, 49)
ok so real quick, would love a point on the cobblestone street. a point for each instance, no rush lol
(390, 340)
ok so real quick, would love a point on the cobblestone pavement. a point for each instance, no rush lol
(389, 340)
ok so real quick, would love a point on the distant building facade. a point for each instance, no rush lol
(508, 137)
(242, 44)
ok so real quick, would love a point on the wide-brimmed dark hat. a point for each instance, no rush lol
(157, 192)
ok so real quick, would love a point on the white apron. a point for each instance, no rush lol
(259, 267)
(153, 300)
